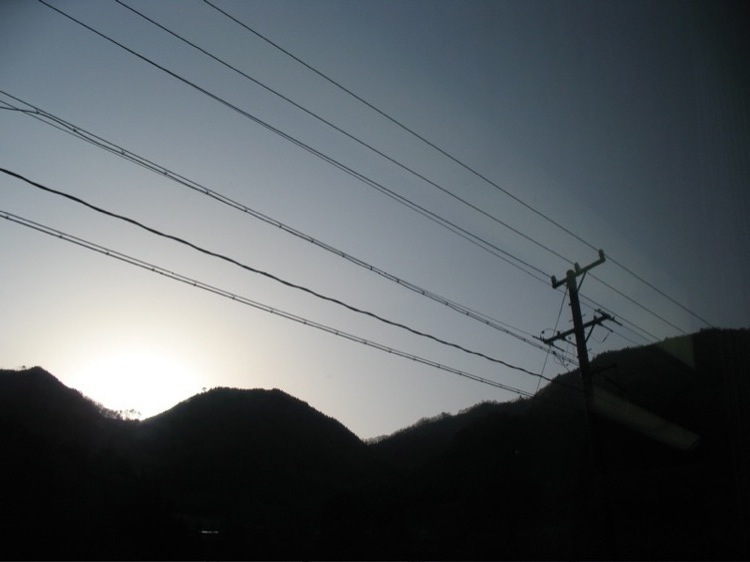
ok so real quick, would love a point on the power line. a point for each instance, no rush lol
(104, 144)
(493, 249)
(271, 276)
(266, 308)
(463, 165)
(347, 134)
(557, 323)
(593, 304)
(119, 151)
(639, 305)
(244, 300)
(100, 142)
(662, 293)
(467, 235)
(557, 381)
(82, 134)
(482, 243)
(389, 158)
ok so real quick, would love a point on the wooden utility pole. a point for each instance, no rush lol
(595, 451)
(579, 327)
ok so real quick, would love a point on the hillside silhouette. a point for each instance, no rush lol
(259, 474)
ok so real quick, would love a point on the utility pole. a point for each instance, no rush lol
(579, 326)
(595, 451)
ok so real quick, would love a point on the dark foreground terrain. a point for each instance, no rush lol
(258, 474)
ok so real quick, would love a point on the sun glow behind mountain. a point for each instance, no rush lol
(139, 378)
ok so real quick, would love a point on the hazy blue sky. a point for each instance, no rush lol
(625, 122)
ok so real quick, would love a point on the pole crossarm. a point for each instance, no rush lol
(595, 321)
(578, 270)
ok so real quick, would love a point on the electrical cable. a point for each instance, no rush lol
(594, 305)
(91, 138)
(347, 134)
(460, 163)
(244, 300)
(458, 230)
(389, 158)
(266, 308)
(281, 313)
(639, 305)
(82, 134)
(467, 235)
(100, 142)
(557, 323)
(266, 274)
(473, 238)
(662, 293)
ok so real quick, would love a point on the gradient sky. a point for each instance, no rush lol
(625, 122)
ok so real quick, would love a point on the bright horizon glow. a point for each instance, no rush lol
(136, 378)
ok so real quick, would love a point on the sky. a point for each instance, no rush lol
(623, 123)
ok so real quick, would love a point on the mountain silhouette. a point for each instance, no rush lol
(259, 474)
(256, 466)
